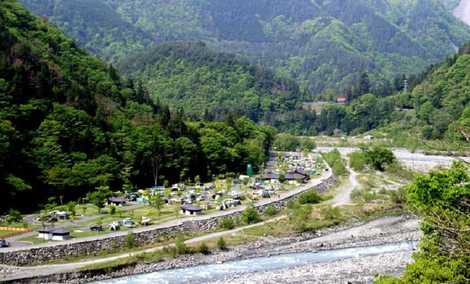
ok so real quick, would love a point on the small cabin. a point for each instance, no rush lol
(190, 209)
(117, 201)
(54, 234)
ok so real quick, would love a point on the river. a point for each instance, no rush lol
(220, 272)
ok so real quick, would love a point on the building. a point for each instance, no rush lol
(117, 201)
(189, 210)
(342, 100)
(54, 234)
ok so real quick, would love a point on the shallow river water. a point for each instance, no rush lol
(212, 272)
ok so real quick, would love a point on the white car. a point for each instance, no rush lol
(128, 222)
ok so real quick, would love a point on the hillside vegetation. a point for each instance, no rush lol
(437, 108)
(212, 85)
(321, 44)
(69, 124)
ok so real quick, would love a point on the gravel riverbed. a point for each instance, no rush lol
(388, 230)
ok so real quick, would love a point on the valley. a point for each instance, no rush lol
(250, 141)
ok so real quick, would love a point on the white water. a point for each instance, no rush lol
(204, 273)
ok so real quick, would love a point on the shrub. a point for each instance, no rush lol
(14, 216)
(227, 223)
(331, 214)
(180, 246)
(250, 215)
(204, 249)
(71, 208)
(270, 210)
(357, 161)
(336, 163)
(286, 142)
(299, 218)
(130, 240)
(112, 209)
(221, 244)
(379, 157)
(310, 197)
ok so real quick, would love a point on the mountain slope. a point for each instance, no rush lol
(321, 44)
(69, 124)
(438, 108)
(204, 82)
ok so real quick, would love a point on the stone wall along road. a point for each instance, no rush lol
(93, 246)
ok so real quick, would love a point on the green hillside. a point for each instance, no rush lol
(211, 85)
(69, 124)
(321, 44)
(437, 108)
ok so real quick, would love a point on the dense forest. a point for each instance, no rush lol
(436, 107)
(324, 45)
(212, 85)
(69, 124)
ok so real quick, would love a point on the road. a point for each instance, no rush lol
(44, 270)
(178, 222)
(31, 219)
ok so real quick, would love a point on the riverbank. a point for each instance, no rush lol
(383, 231)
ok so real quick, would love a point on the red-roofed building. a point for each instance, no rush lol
(342, 100)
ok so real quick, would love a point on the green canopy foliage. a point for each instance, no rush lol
(442, 200)
(322, 44)
(70, 124)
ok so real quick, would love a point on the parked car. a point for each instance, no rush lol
(128, 222)
(4, 244)
(96, 228)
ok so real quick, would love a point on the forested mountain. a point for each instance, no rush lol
(69, 124)
(212, 85)
(438, 107)
(321, 44)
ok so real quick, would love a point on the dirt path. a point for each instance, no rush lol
(343, 194)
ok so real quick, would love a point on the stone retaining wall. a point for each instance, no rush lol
(44, 254)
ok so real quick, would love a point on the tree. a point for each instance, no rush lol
(364, 84)
(442, 200)
(125, 176)
(100, 196)
(221, 244)
(250, 215)
(461, 128)
(379, 157)
(286, 142)
(157, 202)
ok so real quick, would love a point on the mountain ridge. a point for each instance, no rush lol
(385, 38)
